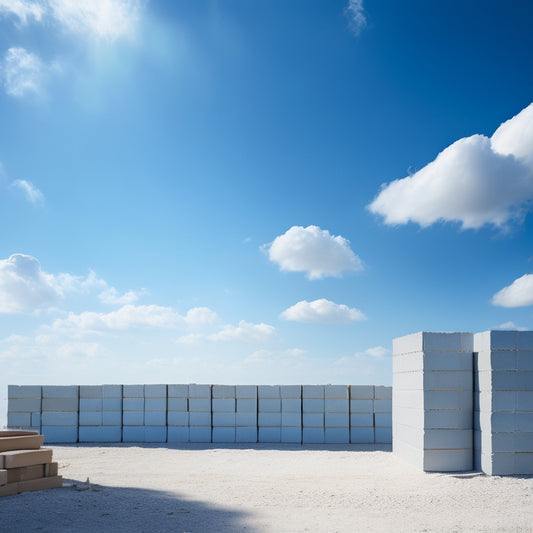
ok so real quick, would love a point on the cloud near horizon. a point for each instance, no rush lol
(322, 311)
(518, 294)
(314, 251)
(475, 181)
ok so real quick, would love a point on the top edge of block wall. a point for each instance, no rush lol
(503, 340)
(60, 391)
(24, 391)
(155, 391)
(223, 391)
(434, 341)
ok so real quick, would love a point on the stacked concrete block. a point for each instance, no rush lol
(382, 414)
(433, 400)
(269, 413)
(177, 413)
(200, 413)
(133, 413)
(291, 414)
(503, 417)
(224, 406)
(59, 413)
(361, 414)
(313, 413)
(246, 413)
(100, 413)
(155, 413)
(24, 407)
(337, 413)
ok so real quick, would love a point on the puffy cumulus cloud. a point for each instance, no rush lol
(111, 296)
(24, 286)
(323, 311)
(356, 15)
(312, 250)
(23, 72)
(377, 352)
(22, 9)
(518, 294)
(244, 332)
(199, 317)
(32, 193)
(475, 181)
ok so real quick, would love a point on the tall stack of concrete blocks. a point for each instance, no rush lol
(336, 414)
(200, 413)
(433, 400)
(313, 411)
(224, 406)
(503, 395)
(291, 414)
(269, 413)
(362, 414)
(178, 413)
(59, 414)
(24, 407)
(100, 413)
(246, 413)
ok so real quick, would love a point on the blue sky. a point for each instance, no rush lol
(267, 191)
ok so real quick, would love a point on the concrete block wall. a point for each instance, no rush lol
(203, 413)
(503, 397)
(433, 400)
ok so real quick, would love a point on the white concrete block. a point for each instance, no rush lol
(59, 404)
(362, 435)
(269, 434)
(155, 404)
(268, 392)
(291, 405)
(337, 406)
(362, 406)
(448, 400)
(313, 391)
(199, 419)
(361, 392)
(199, 391)
(339, 392)
(453, 419)
(90, 404)
(133, 404)
(360, 419)
(155, 418)
(512, 442)
(246, 434)
(22, 405)
(496, 360)
(383, 435)
(337, 420)
(223, 405)
(177, 418)
(223, 391)
(59, 435)
(199, 404)
(291, 392)
(337, 435)
(91, 391)
(269, 419)
(442, 380)
(100, 434)
(59, 419)
(155, 391)
(112, 404)
(313, 420)
(223, 419)
(313, 435)
(178, 391)
(112, 418)
(441, 439)
(36, 419)
(223, 434)
(133, 434)
(155, 434)
(112, 391)
(313, 405)
(245, 419)
(15, 420)
(448, 460)
(512, 380)
(133, 418)
(291, 435)
(382, 393)
(90, 418)
(447, 342)
(199, 434)
(177, 404)
(60, 391)
(269, 405)
(24, 391)
(291, 419)
(383, 419)
(249, 406)
(407, 344)
(177, 434)
(246, 392)
(133, 391)
(382, 406)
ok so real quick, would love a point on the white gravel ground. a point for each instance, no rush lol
(263, 488)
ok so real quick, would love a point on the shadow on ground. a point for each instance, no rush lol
(83, 507)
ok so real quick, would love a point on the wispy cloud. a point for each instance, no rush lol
(312, 250)
(356, 15)
(475, 181)
(245, 331)
(518, 294)
(32, 193)
(23, 10)
(23, 72)
(322, 311)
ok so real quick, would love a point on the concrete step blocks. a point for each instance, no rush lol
(362, 419)
(133, 418)
(178, 391)
(313, 405)
(199, 391)
(200, 418)
(223, 419)
(291, 419)
(177, 404)
(337, 392)
(361, 406)
(112, 418)
(339, 420)
(90, 418)
(291, 392)
(177, 434)
(100, 434)
(245, 419)
(246, 392)
(155, 418)
(268, 392)
(269, 419)
(223, 405)
(200, 434)
(24, 391)
(337, 435)
(313, 420)
(361, 392)
(291, 435)
(291, 405)
(60, 434)
(223, 391)
(382, 393)
(246, 434)
(223, 434)
(313, 435)
(155, 404)
(177, 418)
(313, 392)
(269, 405)
(383, 435)
(269, 434)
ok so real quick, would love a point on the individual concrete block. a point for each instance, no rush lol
(155, 404)
(177, 434)
(291, 435)
(24, 391)
(382, 392)
(291, 405)
(177, 391)
(224, 419)
(112, 391)
(133, 433)
(15, 420)
(91, 404)
(291, 392)
(155, 391)
(90, 418)
(199, 391)
(312, 405)
(59, 419)
(361, 392)
(247, 405)
(361, 406)
(133, 418)
(340, 392)
(245, 419)
(337, 406)
(246, 391)
(337, 435)
(91, 391)
(246, 434)
(155, 418)
(223, 391)
(60, 391)
(200, 418)
(177, 418)
(362, 419)
(59, 404)
(223, 434)
(336, 420)
(177, 404)
(382, 406)
(361, 435)
(291, 419)
(313, 435)
(112, 404)
(199, 405)
(383, 435)
(155, 434)
(313, 392)
(133, 391)
(133, 404)
(100, 434)
(313, 420)
(269, 405)
(60, 434)
(269, 419)
(268, 392)
(224, 405)
(111, 418)
(21, 405)
(269, 434)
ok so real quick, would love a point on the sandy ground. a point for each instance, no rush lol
(264, 488)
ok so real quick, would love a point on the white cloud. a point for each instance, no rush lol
(22, 9)
(314, 251)
(518, 294)
(511, 325)
(475, 181)
(24, 287)
(32, 193)
(323, 311)
(244, 332)
(356, 13)
(23, 72)
(104, 19)
(377, 352)
(112, 297)
(198, 317)
(192, 338)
